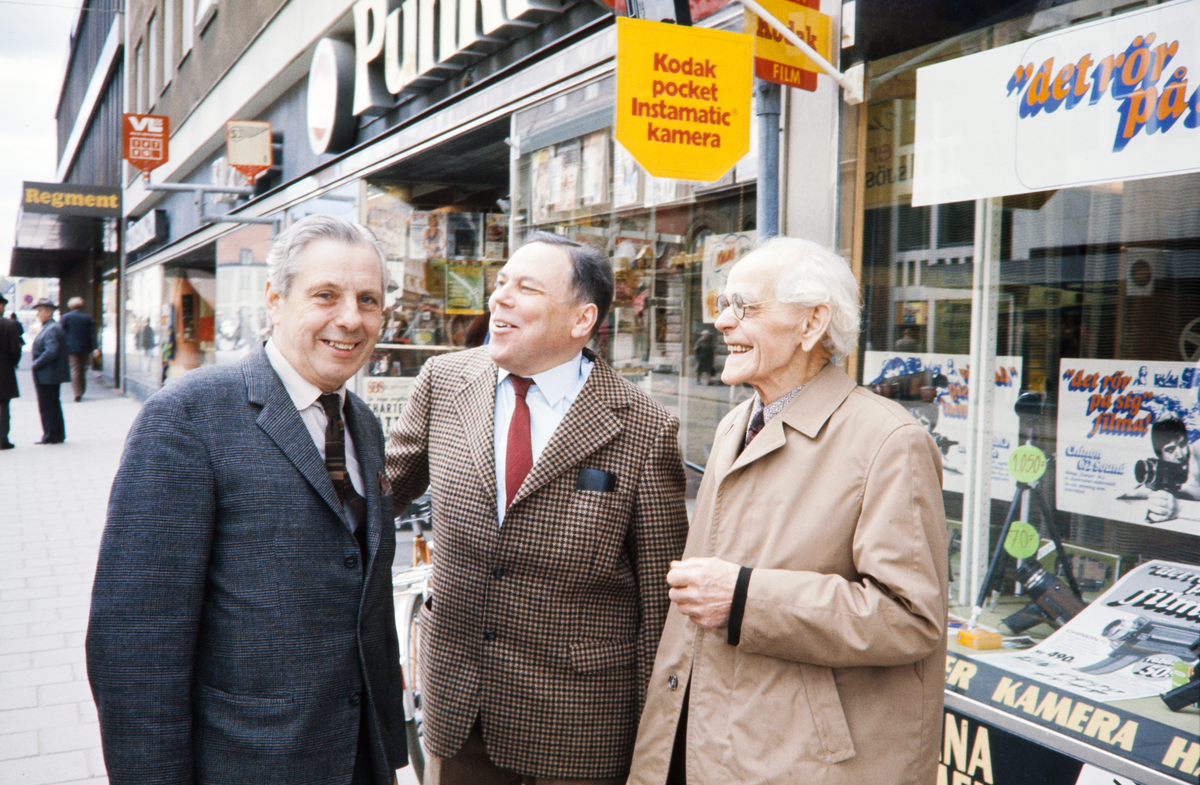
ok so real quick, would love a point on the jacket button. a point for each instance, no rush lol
(489, 636)
(355, 698)
(672, 682)
(350, 561)
(498, 573)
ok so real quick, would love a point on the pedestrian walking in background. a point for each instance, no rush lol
(51, 368)
(10, 354)
(704, 356)
(81, 344)
(558, 505)
(242, 626)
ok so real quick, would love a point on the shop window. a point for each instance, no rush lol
(1092, 283)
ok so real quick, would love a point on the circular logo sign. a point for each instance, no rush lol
(1027, 463)
(331, 127)
(1022, 540)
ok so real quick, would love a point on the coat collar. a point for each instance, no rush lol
(807, 413)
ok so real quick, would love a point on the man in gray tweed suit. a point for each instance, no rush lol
(558, 506)
(242, 627)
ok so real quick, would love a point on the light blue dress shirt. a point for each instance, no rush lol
(549, 398)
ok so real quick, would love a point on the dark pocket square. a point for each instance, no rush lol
(596, 480)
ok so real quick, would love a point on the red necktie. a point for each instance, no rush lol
(518, 457)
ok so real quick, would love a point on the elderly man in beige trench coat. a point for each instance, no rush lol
(806, 639)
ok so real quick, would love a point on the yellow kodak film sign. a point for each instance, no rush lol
(775, 60)
(683, 98)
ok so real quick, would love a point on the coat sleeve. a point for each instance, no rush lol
(895, 612)
(147, 598)
(407, 453)
(51, 346)
(657, 535)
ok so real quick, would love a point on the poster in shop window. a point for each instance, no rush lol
(1123, 645)
(721, 252)
(1129, 442)
(935, 389)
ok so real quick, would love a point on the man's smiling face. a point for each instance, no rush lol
(537, 319)
(327, 324)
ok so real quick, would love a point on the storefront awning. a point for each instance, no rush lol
(61, 224)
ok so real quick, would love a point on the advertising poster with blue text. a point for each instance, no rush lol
(935, 389)
(1129, 442)
(1109, 100)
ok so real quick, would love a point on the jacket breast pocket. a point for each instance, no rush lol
(828, 716)
(599, 656)
(595, 524)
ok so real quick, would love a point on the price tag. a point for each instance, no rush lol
(1027, 464)
(1022, 540)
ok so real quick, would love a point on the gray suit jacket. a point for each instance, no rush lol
(51, 365)
(233, 636)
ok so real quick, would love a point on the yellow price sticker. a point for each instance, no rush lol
(1022, 540)
(1027, 464)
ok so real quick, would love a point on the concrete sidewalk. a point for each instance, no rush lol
(52, 503)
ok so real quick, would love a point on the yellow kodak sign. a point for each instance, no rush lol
(775, 60)
(683, 98)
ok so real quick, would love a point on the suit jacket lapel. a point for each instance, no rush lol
(588, 425)
(477, 411)
(358, 417)
(280, 420)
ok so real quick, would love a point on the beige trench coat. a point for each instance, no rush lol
(838, 677)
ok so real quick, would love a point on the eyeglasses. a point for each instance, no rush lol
(739, 303)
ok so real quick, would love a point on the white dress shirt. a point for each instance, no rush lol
(307, 396)
(548, 399)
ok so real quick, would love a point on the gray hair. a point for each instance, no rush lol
(815, 276)
(75, 303)
(284, 262)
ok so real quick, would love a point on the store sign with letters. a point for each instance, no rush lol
(145, 141)
(775, 60)
(405, 46)
(683, 98)
(70, 199)
(1115, 99)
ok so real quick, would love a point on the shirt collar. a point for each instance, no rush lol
(558, 382)
(774, 407)
(302, 392)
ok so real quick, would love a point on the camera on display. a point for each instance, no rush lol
(1158, 475)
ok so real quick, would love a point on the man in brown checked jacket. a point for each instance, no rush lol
(558, 506)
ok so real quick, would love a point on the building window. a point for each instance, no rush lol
(187, 26)
(138, 99)
(154, 66)
(170, 39)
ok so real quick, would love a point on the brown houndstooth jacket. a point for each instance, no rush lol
(546, 628)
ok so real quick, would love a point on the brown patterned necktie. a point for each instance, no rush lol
(335, 459)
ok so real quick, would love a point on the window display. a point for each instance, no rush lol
(1082, 301)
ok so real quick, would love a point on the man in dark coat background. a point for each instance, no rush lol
(10, 354)
(50, 369)
(81, 342)
(242, 628)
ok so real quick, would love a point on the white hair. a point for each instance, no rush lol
(812, 276)
(284, 262)
(74, 303)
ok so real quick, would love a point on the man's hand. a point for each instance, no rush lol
(702, 589)
(1162, 506)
